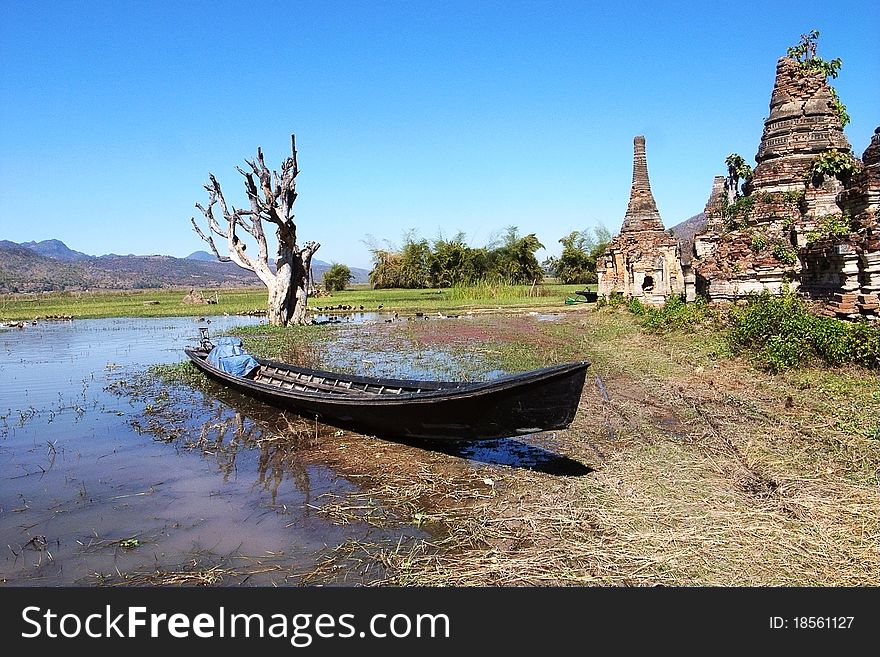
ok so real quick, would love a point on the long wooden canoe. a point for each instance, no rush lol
(539, 400)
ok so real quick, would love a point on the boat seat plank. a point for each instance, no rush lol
(279, 377)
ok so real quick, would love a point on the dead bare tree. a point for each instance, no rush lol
(271, 197)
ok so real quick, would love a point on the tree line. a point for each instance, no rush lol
(449, 262)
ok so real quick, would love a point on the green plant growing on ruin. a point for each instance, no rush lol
(836, 225)
(737, 170)
(839, 108)
(835, 163)
(785, 253)
(805, 55)
(831, 225)
(759, 242)
(736, 215)
(792, 196)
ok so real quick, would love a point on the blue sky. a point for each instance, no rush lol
(434, 116)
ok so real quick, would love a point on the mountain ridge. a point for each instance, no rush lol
(51, 265)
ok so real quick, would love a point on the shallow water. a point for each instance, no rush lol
(92, 489)
(77, 479)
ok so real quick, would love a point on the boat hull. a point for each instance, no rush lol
(540, 400)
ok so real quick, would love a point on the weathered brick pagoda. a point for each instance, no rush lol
(790, 226)
(643, 261)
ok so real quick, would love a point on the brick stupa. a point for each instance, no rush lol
(755, 245)
(803, 123)
(643, 260)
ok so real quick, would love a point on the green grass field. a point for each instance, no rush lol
(167, 303)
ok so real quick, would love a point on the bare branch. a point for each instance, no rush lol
(209, 240)
(308, 251)
(248, 226)
(213, 226)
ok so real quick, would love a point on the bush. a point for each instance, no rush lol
(613, 300)
(676, 315)
(780, 333)
(336, 278)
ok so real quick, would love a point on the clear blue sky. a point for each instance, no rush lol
(434, 116)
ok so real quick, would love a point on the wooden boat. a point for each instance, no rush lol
(517, 404)
(582, 296)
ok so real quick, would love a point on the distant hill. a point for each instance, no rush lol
(684, 232)
(24, 270)
(689, 227)
(51, 265)
(200, 255)
(55, 249)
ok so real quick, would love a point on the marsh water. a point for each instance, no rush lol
(92, 491)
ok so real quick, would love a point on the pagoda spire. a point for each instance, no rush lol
(641, 213)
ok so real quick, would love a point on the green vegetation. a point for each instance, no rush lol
(167, 303)
(796, 197)
(502, 290)
(674, 315)
(337, 277)
(129, 303)
(834, 163)
(785, 253)
(418, 264)
(737, 170)
(780, 333)
(831, 225)
(580, 252)
(759, 242)
(736, 215)
(805, 54)
(840, 108)
(454, 263)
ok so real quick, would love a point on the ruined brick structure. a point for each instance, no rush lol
(643, 261)
(706, 240)
(778, 234)
(845, 269)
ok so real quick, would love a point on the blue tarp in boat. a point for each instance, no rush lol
(229, 356)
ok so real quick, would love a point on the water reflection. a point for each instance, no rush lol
(83, 497)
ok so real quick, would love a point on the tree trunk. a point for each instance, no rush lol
(277, 308)
(289, 294)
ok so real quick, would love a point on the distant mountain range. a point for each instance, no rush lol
(51, 265)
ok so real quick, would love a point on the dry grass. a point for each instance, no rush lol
(707, 473)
